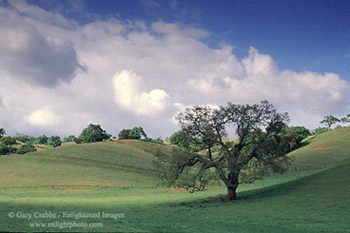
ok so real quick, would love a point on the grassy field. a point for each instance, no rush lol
(117, 164)
(110, 183)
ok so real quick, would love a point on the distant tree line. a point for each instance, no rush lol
(10, 145)
(22, 143)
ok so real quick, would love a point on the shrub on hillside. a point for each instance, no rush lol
(319, 130)
(4, 150)
(28, 147)
(8, 141)
(70, 138)
(295, 136)
(93, 133)
(41, 140)
(137, 133)
(124, 134)
(158, 140)
(54, 141)
(6, 144)
(24, 138)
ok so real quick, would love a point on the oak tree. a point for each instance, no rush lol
(93, 133)
(204, 153)
(329, 121)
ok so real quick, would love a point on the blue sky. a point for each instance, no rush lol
(66, 64)
(300, 35)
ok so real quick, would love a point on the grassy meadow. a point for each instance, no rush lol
(111, 183)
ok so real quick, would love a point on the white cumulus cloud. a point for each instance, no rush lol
(299, 93)
(130, 94)
(43, 117)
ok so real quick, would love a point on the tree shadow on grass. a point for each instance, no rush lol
(272, 191)
(252, 195)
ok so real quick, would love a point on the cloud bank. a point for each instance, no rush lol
(58, 76)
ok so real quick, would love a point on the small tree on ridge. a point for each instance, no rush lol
(329, 121)
(93, 133)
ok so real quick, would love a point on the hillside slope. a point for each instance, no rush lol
(125, 154)
(324, 150)
(116, 164)
(312, 197)
(127, 163)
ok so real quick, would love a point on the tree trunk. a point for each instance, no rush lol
(232, 185)
(231, 193)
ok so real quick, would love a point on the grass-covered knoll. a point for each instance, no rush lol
(314, 197)
(128, 153)
(324, 150)
(113, 164)
(25, 172)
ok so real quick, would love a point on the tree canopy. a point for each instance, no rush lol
(70, 138)
(203, 153)
(329, 121)
(345, 119)
(295, 136)
(24, 138)
(28, 147)
(124, 134)
(8, 141)
(2, 132)
(93, 133)
(41, 140)
(54, 141)
(134, 133)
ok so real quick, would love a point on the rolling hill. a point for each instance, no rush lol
(312, 197)
(114, 164)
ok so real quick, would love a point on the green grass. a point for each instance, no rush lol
(117, 164)
(127, 153)
(312, 204)
(327, 149)
(312, 197)
(25, 172)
